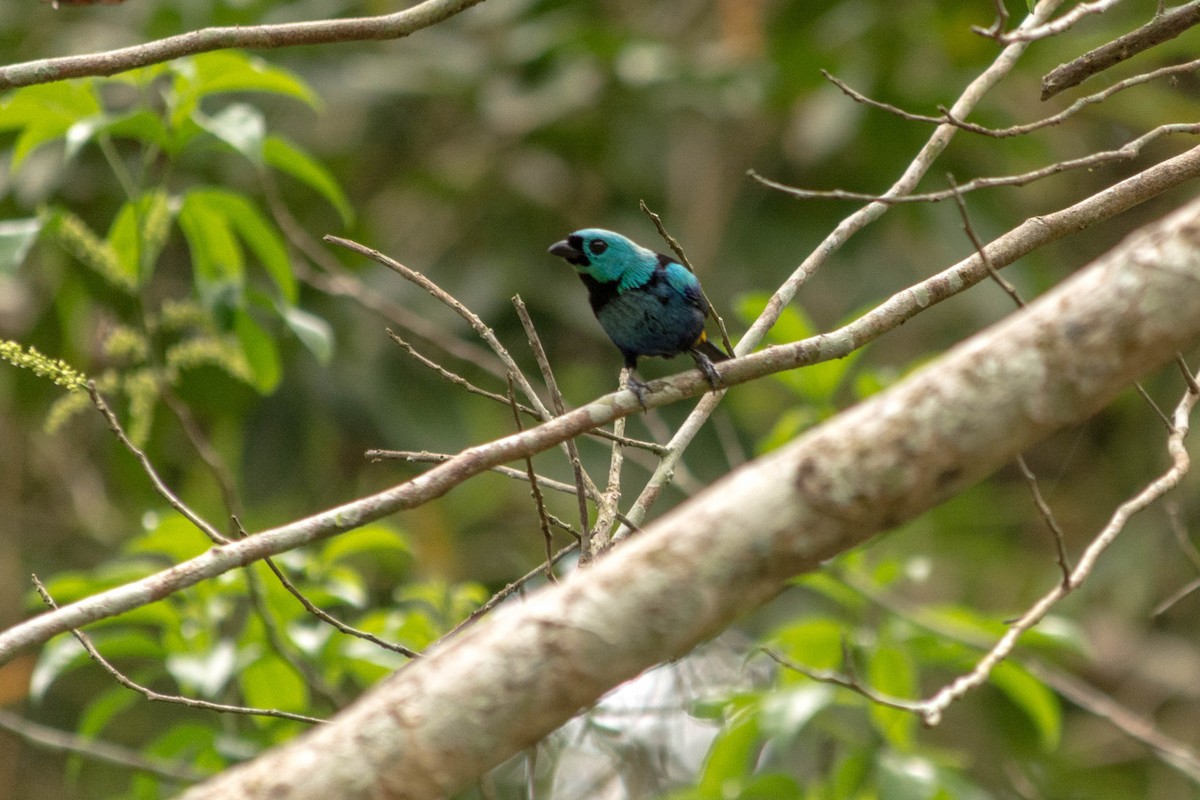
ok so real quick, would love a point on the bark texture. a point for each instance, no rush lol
(439, 723)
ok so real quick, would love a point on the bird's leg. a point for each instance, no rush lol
(704, 363)
(636, 385)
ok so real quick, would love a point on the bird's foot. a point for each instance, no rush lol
(639, 388)
(705, 365)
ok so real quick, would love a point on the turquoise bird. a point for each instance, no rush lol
(648, 304)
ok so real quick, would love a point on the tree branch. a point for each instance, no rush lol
(474, 701)
(254, 37)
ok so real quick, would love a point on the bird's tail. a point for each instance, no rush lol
(714, 353)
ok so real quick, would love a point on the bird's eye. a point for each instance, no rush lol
(597, 246)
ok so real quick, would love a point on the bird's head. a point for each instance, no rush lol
(606, 256)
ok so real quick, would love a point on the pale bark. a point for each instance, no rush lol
(502, 685)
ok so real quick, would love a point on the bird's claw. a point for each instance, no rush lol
(705, 365)
(639, 388)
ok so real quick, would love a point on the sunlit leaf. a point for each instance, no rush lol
(271, 683)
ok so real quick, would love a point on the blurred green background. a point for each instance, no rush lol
(463, 151)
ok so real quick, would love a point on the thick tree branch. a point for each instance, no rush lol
(388, 26)
(472, 702)
(434, 483)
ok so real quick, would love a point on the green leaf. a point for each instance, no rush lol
(257, 232)
(213, 73)
(814, 643)
(731, 756)
(260, 351)
(60, 655)
(270, 683)
(1030, 695)
(240, 126)
(16, 238)
(287, 157)
(906, 777)
(171, 536)
(100, 712)
(205, 673)
(372, 541)
(786, 712)
(313, 332)
(46, 112)
(891, 672)
(216, 255)
(138, 234)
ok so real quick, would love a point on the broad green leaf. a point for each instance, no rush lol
(786, 712)
(771, 787)
(287, 157)
(222, 71)
(16, 238)
(46, 112)
(260, 351)
(270, 683)
(171, 536)
(732, 754)
(313, 332)
(814, 643)
(372, 541)
(204, 673)
(1030, 695)
(216, 255)
(240, 126)
(257, 232)
(100, 712)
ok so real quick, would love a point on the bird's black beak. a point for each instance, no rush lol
(569, 252)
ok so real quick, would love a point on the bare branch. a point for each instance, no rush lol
(582, 482)
(49, 738)
(538, 502)
(1126, 152)
(1164, 27)
(251, 37)
(329, 619)
(159, 486)
(932, 709)
(440, 722)
(1057, 26)
(150, 694)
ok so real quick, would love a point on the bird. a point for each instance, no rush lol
(648, 303)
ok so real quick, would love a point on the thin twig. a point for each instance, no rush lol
(426, 457)
(512, 588)
(536, 490)
(248, 37)
(1060, 541)
(1056, 26)
(478, 325)
(159, 486)
(844, 681)
(932, 709)
(462, 382)
(1162, 28)
(150, 694)
(969, 229)
(683, 259)
(329, 619)
(946, 116)
(582, 481)
(1125, 153)
(63, 741)
(1060, 544)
